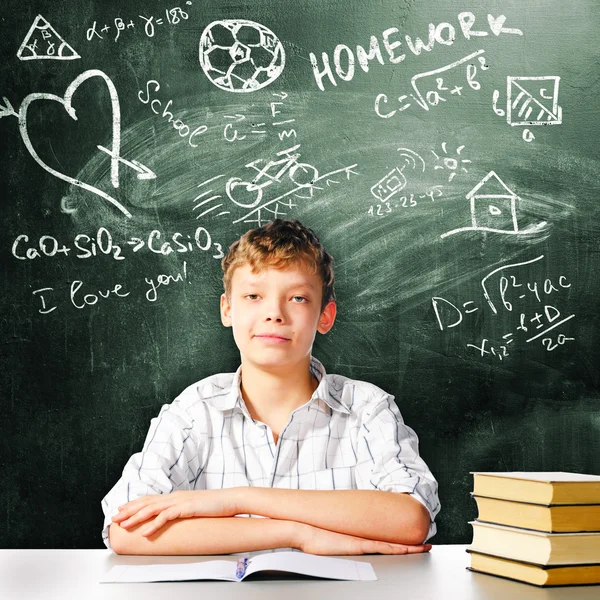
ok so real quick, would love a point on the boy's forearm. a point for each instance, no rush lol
(207, 536)
(372, 514)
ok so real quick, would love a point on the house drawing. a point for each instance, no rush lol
(493, 210)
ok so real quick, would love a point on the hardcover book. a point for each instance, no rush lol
(556, 518)
(549, 487)
(535, 546)
(541, 575)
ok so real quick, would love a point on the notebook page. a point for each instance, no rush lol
(316, 566)
(212, 569)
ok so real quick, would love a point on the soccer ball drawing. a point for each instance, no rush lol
(238, 55)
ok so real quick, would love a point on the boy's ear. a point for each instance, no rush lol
(225, 311)
(327, 317)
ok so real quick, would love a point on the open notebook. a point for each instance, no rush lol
(237, 570)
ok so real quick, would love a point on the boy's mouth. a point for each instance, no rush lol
(272, 337)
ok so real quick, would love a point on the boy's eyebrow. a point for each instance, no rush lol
(293, 284)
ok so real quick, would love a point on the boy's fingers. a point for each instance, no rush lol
(141, 515)
(143, 508)
(420, 548)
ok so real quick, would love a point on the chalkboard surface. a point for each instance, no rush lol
(445, 152)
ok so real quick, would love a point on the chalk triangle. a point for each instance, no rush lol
(43, 42)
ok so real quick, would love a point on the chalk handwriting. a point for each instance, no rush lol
(408, 201)
(80, 300)
(282, 122)
(84, 246)
(173, 16)
(43, 42)
(495, 211)
(238, 55)
(163, 280)
(82, 295)
(344, 59)
(178, 125)
(239, 127)
(439, 91)
(539, 323)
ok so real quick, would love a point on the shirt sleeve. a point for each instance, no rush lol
(388, 457)
(169, 461)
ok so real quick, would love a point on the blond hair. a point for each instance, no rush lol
(281, 243)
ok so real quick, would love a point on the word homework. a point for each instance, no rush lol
(344, 59)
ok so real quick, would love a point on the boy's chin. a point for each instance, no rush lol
(275, 362)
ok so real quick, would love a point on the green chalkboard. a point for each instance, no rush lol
(445, 152)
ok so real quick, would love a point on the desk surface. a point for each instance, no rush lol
(74, 574)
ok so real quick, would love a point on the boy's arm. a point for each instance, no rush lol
(206, 536)
(388, 516)
(227, 535)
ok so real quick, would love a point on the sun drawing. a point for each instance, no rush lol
(450, 163)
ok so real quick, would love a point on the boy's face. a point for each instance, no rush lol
(275, 314)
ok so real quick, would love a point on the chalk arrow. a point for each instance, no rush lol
(142, 170)
(7, 110)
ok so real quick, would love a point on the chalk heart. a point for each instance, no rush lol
(66, 102)
(496, 24)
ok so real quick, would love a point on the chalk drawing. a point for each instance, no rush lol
(395, 180)
(271, 206)
(450, 163)
(492, 208)
(303, 175)
(43, 42)
(114, 152)
(533, 103)
(530, 101)
(204, 201)
(392, 183)
(142, 170)
(238, 55)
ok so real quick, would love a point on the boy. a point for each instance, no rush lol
(325, 460)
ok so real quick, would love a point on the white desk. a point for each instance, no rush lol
(74, 574)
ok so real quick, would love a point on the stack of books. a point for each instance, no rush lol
(540, 528)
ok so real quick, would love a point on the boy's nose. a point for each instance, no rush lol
(274, 312)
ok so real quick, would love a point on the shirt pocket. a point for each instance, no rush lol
(336, 478)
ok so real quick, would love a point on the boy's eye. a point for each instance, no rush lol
(252, 296)
(299, 299)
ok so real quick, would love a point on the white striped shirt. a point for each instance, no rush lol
(349, 435)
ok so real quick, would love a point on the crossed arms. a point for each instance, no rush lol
(318, 522)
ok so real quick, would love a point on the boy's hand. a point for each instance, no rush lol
(314, 540)
(177, 505)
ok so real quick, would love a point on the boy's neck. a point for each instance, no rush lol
(271, 396)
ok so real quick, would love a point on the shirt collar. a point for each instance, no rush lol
(223, 399)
